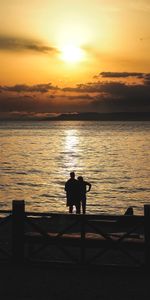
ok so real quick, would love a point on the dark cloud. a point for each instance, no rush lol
(81, 97)
(116, 96)
(95, 87)
(147, 76)
(11, 104)
(75, 97)
(122, 97)
(147, 79)
(23, 44)
(27, 104)
(93, 96)
(20, 88)
(43, 104)
(85, 88)
(112, 88)
(121, 74)
(51, 96)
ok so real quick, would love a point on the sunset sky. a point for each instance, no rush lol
(74, 56)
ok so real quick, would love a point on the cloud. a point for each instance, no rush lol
(85, 88)
(22, 44)
(121, 74)
(28, 104)
(99, 96)
(43, 104)
(80, 97)
(147, 76)
(95, 87)
(21, 88)
(116, 96)
(11, 104)
(51, 96)
(123, 97)
(147, 79)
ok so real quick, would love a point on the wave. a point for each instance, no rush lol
(29, 184)
(47, 196)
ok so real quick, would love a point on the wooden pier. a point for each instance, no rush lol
(77, 239)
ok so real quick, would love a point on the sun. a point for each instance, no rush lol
(72, 54)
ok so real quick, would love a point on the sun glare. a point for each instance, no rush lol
(72, 54)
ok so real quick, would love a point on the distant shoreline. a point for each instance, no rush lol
(89, 116)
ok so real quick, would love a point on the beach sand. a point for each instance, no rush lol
(69, 283)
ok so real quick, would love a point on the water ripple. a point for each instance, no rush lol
(114, 156)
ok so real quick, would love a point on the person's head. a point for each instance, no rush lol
(80, 178)
(72, 175)
(129, 211)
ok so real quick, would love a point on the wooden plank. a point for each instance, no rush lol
(88, 241)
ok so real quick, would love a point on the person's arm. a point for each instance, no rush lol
(89, 186)
(66, 186)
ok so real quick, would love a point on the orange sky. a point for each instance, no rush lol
(71, 42)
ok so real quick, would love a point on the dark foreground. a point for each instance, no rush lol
(63, 281)
(72, 283)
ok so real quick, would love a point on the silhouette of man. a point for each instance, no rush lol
(72, 193)
(82, 192)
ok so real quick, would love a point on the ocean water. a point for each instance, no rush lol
(37, 157)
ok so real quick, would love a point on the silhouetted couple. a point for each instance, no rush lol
(76, 190)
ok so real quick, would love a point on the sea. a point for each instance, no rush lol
(37, 157)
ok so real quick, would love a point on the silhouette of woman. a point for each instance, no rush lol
(82, 192)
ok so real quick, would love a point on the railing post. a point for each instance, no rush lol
(83, 247)
(18, 231)
(147, 234)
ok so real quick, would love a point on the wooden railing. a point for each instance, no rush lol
(82, 239)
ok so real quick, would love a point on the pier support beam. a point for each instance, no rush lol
(18, 208)
(147, 234)
(82, 249)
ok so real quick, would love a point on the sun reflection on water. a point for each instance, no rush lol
(71, 141)
(71, 148)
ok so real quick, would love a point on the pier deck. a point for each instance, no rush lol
(78, 239)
